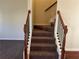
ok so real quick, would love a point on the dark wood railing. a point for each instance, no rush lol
(26, 34)
(65, 30)
(50, 6)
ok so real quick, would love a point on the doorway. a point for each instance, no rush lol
(40, 15)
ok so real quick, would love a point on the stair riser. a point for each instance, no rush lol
(42, 34)
(45, 27)
(43, 57)
(40, 38)
(43, 41)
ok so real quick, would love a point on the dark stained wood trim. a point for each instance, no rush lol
(50, 6)
(71, 54)
(65, 32)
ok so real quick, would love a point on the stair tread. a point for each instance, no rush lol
(49, 41)
(42, 45)
(39, 37)
(43, 53)
(41, 31)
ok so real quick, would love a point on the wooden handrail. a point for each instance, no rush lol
(50, 6)
(26, 34)
(28, 16)
(65, 32)
(62, 22)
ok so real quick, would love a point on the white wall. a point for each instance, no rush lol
(70, 12)
(12, 18)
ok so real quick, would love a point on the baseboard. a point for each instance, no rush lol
(11, 38)
(72, 55)
(72, 49)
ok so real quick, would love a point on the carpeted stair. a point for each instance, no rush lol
(43, 43)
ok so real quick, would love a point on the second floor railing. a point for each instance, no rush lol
(50, 6)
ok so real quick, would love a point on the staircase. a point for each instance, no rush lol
(43, 43)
